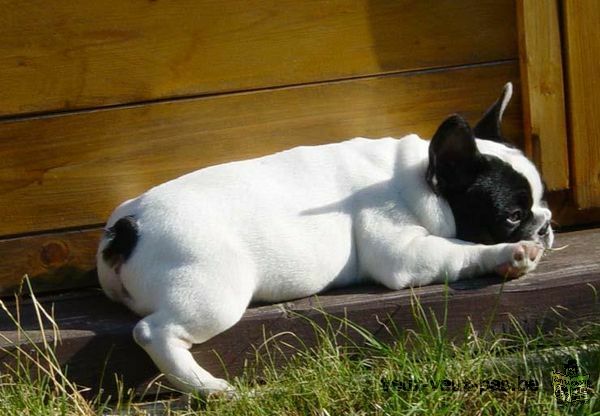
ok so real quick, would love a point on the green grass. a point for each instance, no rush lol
(423, 372)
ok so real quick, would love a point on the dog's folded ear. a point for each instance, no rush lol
(490, 125)
(453, 157)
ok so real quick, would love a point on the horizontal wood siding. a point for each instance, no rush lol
(72, 170)
(102, 100)
(53, 261)
(60, 55)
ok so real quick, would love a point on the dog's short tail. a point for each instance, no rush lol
(122, 238)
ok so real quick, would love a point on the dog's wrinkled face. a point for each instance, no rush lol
(495, 192)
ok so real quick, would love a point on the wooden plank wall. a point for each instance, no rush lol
(544, 117)
(104, 100)
(582, 36)
(109, 52)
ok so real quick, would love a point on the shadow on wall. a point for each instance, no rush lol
(411, 36)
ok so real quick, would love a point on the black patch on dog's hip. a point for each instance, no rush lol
(123, 237)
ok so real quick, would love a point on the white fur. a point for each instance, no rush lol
(286, 226)
(507, 93)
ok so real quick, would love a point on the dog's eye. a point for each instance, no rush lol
(514, 218)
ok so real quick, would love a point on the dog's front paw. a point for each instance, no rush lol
(217, 387)
(519, 258)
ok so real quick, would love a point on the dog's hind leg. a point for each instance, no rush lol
(186, 305)
(168, 344)
(191, 317)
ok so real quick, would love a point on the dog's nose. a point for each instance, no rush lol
(544, 230)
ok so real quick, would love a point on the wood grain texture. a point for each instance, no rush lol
(106, 52)
(72, 170)
(582, 41)
(53, 261)
(96, 333)
(544, 118)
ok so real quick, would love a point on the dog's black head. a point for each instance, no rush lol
(494, 191)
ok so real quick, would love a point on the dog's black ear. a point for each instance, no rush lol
(453, 156)
(490, 125)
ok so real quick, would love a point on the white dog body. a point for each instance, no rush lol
(291, 225)
(307, 199)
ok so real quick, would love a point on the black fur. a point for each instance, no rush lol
(123, 237)
(452, 156)
(490, 125)
(483, 191)
(482, 210)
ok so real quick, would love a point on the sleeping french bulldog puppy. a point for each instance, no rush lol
(191, 254)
